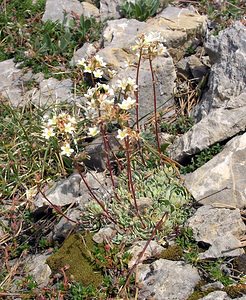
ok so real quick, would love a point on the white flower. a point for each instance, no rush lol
(31, 193)
(98, 73)
(62, 115)
(100, 61)
(66, 150)
(131, 84)
(48, 132)
(112, 73)
(87, 69)
(122, 84)
(52, 121)
(160, 49)
(69, 128)
(81, 62)
(127, 103)
(90, 93)
(72, 120)
(93, 131)
(122, 134)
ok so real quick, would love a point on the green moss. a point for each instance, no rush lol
(198, 293)
(75, 252)
(172, 253)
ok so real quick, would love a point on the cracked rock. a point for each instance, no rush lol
(221, 228)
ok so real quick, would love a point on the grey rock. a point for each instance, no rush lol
(217, 295)
(222, 179)
(213, 285)
(219, 125)
(90, 10)
(52, 91)
(177, 25)
(86, 51)
(64, 227)
(54, 9)
(165, 75)
(73, 190)
(221, 228)
(122, 33)
(167, 280)
(10, 82)
(97, 154)
(197, 68)
(110, 9)
(153, 250)
(192, 67)
(182, 67)
(39, 269)
(105, 234)
(116, 58)
(227, 52)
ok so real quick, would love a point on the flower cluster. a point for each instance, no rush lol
(150, 44)
(94, 66)
(62, 125)
(103, 106)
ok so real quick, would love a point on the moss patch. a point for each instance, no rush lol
(75, 252)
(172, 253)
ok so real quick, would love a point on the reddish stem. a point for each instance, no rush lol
(107, 150)
(155, 104)
(130, 181)
(56, 208)
(107, 214)
(157, 227)
(137, 91)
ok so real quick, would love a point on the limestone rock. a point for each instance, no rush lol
(105, 234)
(165, 76)
(116, 58)
(152, 250)
(52, 91)
(177, 25)
(73, 190)
(227, 52)
(90, 10)
(192, 66)
(221, 228)
(54, 9)
(222, 179)
(218, 295)
(122, 33)
(109, 9)
(219, 125)
(39, 269)
(96, 152)
(167, 280)
(10, 82)
(197, 68)
(86, 51)
(62, 229)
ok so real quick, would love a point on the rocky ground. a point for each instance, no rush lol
(187, 237)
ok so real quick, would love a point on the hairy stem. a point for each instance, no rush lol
(107, 150)
(157, 227)
(106, 212)
(155, 104)
(130, 181)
